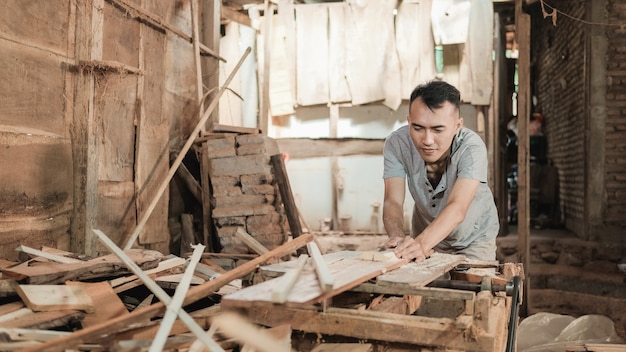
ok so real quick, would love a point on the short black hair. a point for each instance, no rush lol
(435, 93)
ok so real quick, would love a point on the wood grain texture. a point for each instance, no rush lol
(55, 273)
(43, 298)
(346, 269)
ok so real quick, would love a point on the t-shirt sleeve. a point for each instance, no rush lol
(393, 165)
(473, 162)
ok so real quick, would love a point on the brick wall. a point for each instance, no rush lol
(616, 118)
(558, 68)
(244, 191)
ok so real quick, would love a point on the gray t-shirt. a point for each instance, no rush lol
(468, 159)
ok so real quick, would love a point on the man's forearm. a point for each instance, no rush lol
(393, 220)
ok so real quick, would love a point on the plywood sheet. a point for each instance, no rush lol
(120, 37)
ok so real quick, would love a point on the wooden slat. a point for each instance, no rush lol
(322, 271)
(49, 256)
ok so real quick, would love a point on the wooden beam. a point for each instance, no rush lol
(522, 33)
(190, 181)
(231, 14)
(412, 329)
(84, 129)
(298, 148)
(194, 294)
(284, 187)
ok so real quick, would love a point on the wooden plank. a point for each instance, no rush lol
(421, 274)
(408, 289)
(343, 347)
(17, 334)
(522, 36)
(107, 304)
(56, 273)
(284, 187)
(44, 298)
(193, 295)
(43, 320)
(49, 256)
(299, 148)
(190, 182)
(250, 241)
(346, 269)
(324, 277)
(164, 265)
(216, 127)
(285, 284)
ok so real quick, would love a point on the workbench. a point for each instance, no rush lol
(384, 302)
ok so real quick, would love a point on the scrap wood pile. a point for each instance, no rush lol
(130, 300)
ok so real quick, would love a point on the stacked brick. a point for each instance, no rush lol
(244, 193)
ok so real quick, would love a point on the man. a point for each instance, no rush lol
(445, 167)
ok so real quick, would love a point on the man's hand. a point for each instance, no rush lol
(392, 242)
(411, 248)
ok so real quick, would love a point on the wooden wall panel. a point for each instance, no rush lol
(115, 100)
(38, 23)
(32, 95)
(121, 37)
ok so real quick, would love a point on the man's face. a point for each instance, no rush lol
(432, 131)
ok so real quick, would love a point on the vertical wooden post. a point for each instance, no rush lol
(291, 211)
(210, 28)
(84, 130)
(264, 109)
(334, 167)
(522, 34)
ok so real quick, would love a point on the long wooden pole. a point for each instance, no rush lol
(522, 33)
(182, 153)
(193, 295)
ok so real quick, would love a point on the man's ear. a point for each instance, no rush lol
(408, 119)
(459, 124)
